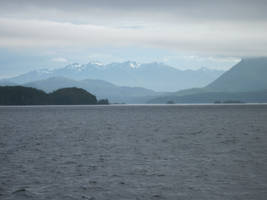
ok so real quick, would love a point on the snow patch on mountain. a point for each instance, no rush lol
(132, 64)
(75, 66)
(44, 71)
(97, 63)
(155, 76)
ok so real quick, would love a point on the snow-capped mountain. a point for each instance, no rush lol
(156, 76)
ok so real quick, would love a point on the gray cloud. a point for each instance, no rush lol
(179, 9)
(213, 39)
(215, 27)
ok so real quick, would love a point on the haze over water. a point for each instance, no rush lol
(133, 152)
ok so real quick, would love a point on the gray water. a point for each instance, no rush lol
(134, 152)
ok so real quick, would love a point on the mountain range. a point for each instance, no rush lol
(154, 76)
(246, 82)
(102, 89)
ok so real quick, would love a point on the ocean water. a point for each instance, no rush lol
(134, 152)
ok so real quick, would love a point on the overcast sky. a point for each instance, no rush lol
(182, 33)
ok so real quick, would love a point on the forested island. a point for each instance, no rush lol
(19, 95)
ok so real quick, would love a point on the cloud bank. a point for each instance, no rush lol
(223, 28)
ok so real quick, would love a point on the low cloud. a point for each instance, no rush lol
(213, 38)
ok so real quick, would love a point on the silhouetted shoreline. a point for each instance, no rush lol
(19, 95)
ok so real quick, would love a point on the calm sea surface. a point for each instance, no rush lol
(134, 152)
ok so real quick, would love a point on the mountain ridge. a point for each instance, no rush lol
(102, 89)
(244, 80)
(155, 76)
(250, 74)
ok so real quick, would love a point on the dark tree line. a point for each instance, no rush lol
(18, 95)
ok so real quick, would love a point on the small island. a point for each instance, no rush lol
(19, 95)
(228, 101)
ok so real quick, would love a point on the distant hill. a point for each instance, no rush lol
(212, 97)
(248, 75)
(18, 95)
(52, 84)
(102, 89)
(7, 83)
(71, 96)
(155, 76)
(246, 81)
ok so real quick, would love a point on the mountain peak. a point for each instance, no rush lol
(133, 64)
(247, 75)
(75, 66)
(44, 71)
(96, 63)
(156, 76)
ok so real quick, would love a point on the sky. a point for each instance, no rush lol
(185, 34)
